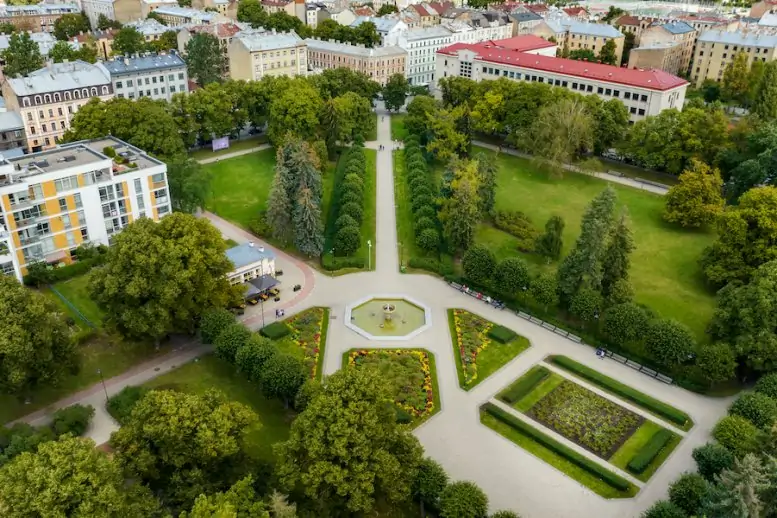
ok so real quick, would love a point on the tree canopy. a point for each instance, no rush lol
(204, 60)
(22, 55)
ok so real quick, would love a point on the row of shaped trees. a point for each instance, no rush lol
(349, 203)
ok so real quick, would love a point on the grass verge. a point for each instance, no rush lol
(239, 145)
(634, 445)
(398, 130)
(370, 217)
(76, 290)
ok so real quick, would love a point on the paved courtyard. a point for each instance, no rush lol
(512, 477)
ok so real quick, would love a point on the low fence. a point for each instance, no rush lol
(71, 306)
(563, 332)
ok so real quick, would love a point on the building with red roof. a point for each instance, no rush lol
(577, 12)
(643, 92)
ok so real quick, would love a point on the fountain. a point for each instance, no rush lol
(388, 310)
(380, 317)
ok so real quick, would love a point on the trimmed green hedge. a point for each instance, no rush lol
(275, 330)
(502, 334)
(617, 482)
(330, 263)
(524, 385)
(640, 399)
(645, 456)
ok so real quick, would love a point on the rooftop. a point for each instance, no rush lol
(437, 31)
(354, 50)
(44, 40)
(185, 12)
(149, 27)
(81, 153)
(381, 24)
(753, 39)
(10, 121)
(495, 52)
(677, 27)
(630, 20)
(258, 39)
(524, 16)
(574, 26)
(219, 29)
(130, 65)
(40, 9)
(248, 253)
(768, 20)
(61, 76)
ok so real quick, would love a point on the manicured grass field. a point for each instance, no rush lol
(239, 145)
(241, 185)
(209, 372)
(636, 442)
(398, 131)
(373, 133)
(665, 271)
(76, 290)
(471, 337)
(570, 469)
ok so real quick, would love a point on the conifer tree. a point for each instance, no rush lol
(616, 260)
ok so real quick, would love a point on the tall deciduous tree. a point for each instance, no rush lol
(765, 102)
(70, 477)
(583, 265)
(561, 131)
(550, 243)
(395, 92)
(128, 41)
(69, 25)
(22, 55)
(446, 138)
(616, 260)
(204, 60)
(240, 500)
(429, 483)
(189, 184)
(461, 212)
(607, 54)
(698, 199)
(35, 343)
(669, 342)
(295, 111)
(182, 445)
(368, 457)
(487, 170)
(104, 23)
(735, 85)
(161, 277)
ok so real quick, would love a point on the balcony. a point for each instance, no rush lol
(161, 201)
(29, 240)
(31, 220)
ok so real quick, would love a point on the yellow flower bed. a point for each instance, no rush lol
(471, 339)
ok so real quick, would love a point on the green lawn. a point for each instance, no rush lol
(239, 145)
(373, 133)
(542, 389)
(76, 290)
(370, 196)
(241, 185)
(636, 442)
(573, 471)
(665, 271)
(210, 372)
(398, 131)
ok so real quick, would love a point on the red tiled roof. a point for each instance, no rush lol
(220, 29)
(536, 8)
(442, 7)
(498, 52)
(575, 11)
(364, 11)
(420, 10)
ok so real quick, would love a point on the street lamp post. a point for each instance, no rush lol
(100, 372)
(369, 254)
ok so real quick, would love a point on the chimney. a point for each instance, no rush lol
(261, 248)
(251, 244)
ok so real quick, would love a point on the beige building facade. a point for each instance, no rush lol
(716, 49)
(571, 34)
(378, 63)
(35, 18)
(668, 46)
(254, 54)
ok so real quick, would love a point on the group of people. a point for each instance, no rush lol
(395, 144)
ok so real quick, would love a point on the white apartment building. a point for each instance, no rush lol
(388, 28)
(159, 76)
(463, 32)
(53, 201)
(643, 92)
(421, 46)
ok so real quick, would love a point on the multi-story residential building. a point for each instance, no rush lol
(223, 31)
(668, 46)
(175, 15)
(427, 15)
(572, 35)
(577, 12)
(483, 25)
(53, 201)
(149, 6)
(342, 16)
(524, 21)
(45, 41)
(48, 98)
(379, 63)
(716, 49)
(120, 10)
(35, 18)
(634, 25)
(388, 28)
(254, 54)
(421, 46)
(11, 132)
(316, 12)
(278, 6)
(226, 8)
(643, 92)
(159, 76)
(150, 28)
(103, 41)
(705, 21)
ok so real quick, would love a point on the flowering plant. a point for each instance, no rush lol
(471, 339)
(306, 333)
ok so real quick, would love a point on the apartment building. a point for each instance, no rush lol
(421, 46)
(316, 12)
(388, 28)
(643, 92)
(427, 15)
(715, 49)
(35, 18)
(377, 63)
(226, 8)
(705, 21)
(159, 76)
(223, 31)
(120, 10)
(53, 201)
(634, 25)
(11, 131)
(176, 16)
(524, 21)
(667, 46)
(572, 35)
(149, 6)
(342, 16)
(150, 28)
(48, 98)
(103, 40)
(254, 54)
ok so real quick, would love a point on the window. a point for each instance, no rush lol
(84, 234)
(118, 84)
(180, 76)
(641, 111)
(29, 116)
(632, 110)
(616, 93)
(627, 95)
(77, 199)
(40, 114)
(138, 185)
(153, 80)
(141, 204)
(62, 204)
(43, 127)
(600, 90)
(643, 98)
(59, 111)
(574, 86)
(66, 220)
(119, 190)
(172, 89)
(71, 239)
(67, 183)
(51, 112)
(608, 91)
(171, 77)
(129, 83)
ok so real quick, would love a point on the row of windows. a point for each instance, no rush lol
(277, 54)
(131, 95)
(83, 93)
(42, 115)
(757, 50)
(129, 82)
(44, 128)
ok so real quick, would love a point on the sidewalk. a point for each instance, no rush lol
(227, 156)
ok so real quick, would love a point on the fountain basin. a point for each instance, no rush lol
(388, 317)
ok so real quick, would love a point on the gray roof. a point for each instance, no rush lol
(768, 20)
(259, 39)
(40, 9)
(354, 50)
(739, 38)
(436, 31)
(61, 76)
(10, 121)
(381, 24)
(577, 27)
(248, 253)
(677, 27)
(124, 66)
(525, 16)
(149, 27)
(185, 12)
(12, 153)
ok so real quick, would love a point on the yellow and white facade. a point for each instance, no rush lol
(53, 201)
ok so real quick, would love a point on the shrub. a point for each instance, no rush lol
(352, 188)
(121, 404)
(664, 509)
(643, 458)
(402, 415)
(586, 304)
(767, 385)
(418, 182)
(624, 322)
(428, 240)
(353, 179)
(517, 224)
(347, 240)
(430, 264)
(306, 393)
(421, 201)
(354, 210)
(275, 331)
(524, 385)
(282, 376)
(426, 212)
(422, 224)
(511, 275)
(505, 514)
(737, 434)
(711, 459)
(572, 456)
(421, 190)
(345, 221)
(73, 419)
(624, 391)
(213, 323)
(250, 358)
(478, 263)
(502, 334)
(688, 492)
(463, 500)
(331, 263)
(234, 337)
(351, 197)
(669, 342)
(758, 408)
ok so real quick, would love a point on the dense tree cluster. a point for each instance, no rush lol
(349, 197)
